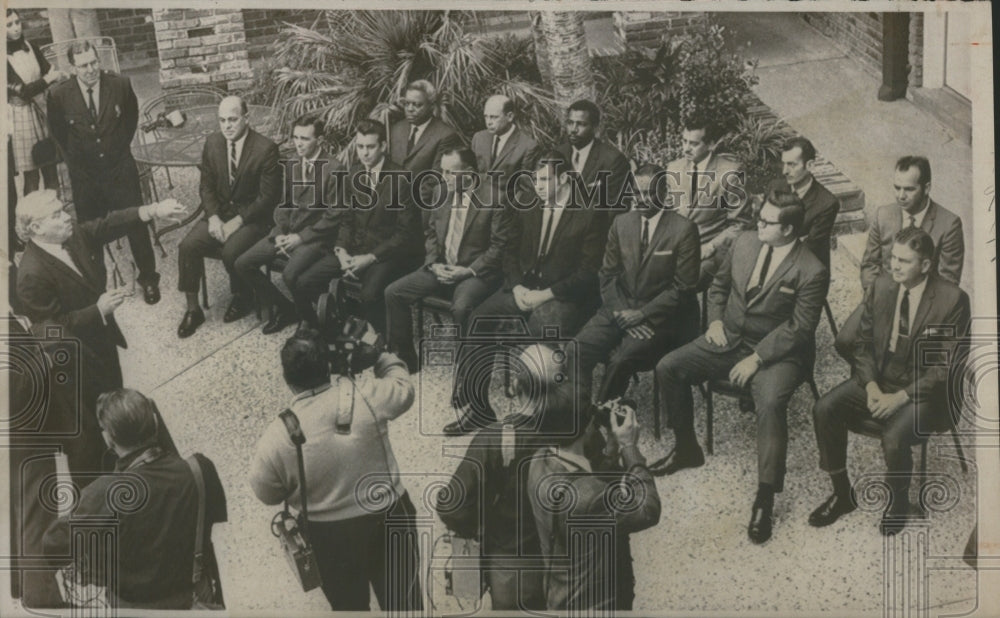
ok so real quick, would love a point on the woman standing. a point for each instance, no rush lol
(28, 76)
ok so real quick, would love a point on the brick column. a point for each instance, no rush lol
(647, 28)
(202, 46)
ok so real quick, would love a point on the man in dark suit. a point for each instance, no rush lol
(240, 186)
(308, 190)
(550, 277)
(798, 156)
(763, 308)
(93, 117)
(502, 146)
(61, 282)
(600, 168)
(914, 208)
(465, 240)
(418, 141)
(892, 388)
(651, 268)
(375, 233)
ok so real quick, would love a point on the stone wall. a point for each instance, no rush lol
(648, 28)
(202, 46)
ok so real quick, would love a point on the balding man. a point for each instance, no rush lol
(240, 186)
(502, 146)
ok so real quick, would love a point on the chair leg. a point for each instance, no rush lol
(656, 406)
(204, 290)
(829, 316)
(170, 182)
(958, 447)
(812, 387)
(710, 413)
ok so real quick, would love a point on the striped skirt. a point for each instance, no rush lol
(27, 128)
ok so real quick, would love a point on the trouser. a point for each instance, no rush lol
(402, 293)
(848, 334)
(352, 554)
(513, 588)
(199, 243)
(771, 387)
(248, 268)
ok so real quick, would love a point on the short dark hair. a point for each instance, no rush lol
(791, 211)
(310, 121)
(371, 127)
(589, 107)
(917, 240)
(465, 156)
(713, 131)
(80, 47)
(12, 12)
(128, 416)
(554, 159)
(921, 163)
(808, 150)
(304, 359)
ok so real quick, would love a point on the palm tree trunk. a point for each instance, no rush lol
(563, 56)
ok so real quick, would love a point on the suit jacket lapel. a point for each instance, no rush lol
(654, 238)
(106, 96)
(882, 321)
(84, 276)
(244, 155)
(592, 160)
(779, 271)
(508, 146)
(928, 223)
(920, 317)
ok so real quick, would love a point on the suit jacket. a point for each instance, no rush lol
(382, 222)
(518, 152)
(944, 226)
(603, 157)
(574, 256)
(780, 322)
(821, 213)
(660, 283)
(485, 232)
(721, 196)
(257, 188)
(426, 154)
(295, 213)
(941, 322)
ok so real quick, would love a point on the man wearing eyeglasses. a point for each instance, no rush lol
(763, 308)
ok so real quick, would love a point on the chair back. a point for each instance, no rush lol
(107, 53)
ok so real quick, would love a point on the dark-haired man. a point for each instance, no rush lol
(601, 168)
(763, 308)
(891, 390)
(913, 208)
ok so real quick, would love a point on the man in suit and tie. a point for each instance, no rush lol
(93, 118)
(61, 282)
(600, 168)
(798, 155)
(763, 308)
(892, 389)
(418, 141)
(502, 147)
(240, 186)
(465, 240)
(651, 267)
(308, 190)
(373, 237)
(709, 186)
(913, 208)
(550, 277)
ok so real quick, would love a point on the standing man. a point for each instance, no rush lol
(601, 168)
(465, 240)
(763, 308)
(913, 208)
(502, 146)
(309, 189)
(797, 159)
(710, 188)
(651, 268)
(240, 186)
(418, 141)
(93, 117)
(891, 388)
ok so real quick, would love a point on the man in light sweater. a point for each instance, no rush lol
(352, 479)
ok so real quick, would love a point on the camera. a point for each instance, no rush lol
(353, 344)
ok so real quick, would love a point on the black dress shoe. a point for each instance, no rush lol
(151, 293)
(469, 421)
(831, 510)
(280, 318)
(688, 457)
(193, 318)
(237, 309)
(761, 522)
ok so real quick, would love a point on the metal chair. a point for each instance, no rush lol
(216, 254)
(104, 46)
(873, 429)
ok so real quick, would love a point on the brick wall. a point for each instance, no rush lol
(132, 30)
(858, 34)
(262, 26)
(202, 46)
(648, 28)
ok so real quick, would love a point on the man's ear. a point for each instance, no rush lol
(810, 164)
(925, 266)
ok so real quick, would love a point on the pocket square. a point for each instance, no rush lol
(118, 111)
(664, 252)
(786, 290)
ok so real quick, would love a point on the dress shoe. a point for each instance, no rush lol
(193, 318)
(237, 309)
(469, 421)
(151, 293)
(688, 457)
(895, 519)
(761, 522)
(831, 510)
(280, 318)
(747, 404)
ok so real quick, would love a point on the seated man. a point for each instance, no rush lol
(376, 231)
(307, 192)
(240, 186)
(465, 240)
(651, 268)
(890, 388)
(763, 308)
(550, 277)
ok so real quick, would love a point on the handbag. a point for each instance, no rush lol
(292, 532)
(207, 593)
(45, 151)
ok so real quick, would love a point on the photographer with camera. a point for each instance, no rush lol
(354, 491)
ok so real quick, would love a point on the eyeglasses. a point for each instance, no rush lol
(765, 222)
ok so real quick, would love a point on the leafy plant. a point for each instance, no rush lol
(757, 143)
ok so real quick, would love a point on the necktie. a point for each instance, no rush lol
(232, 162)
(755, 290)
(904, 315)
(456, 226)
(644, 241)
(694, 185)
(412, 140)
(576, 159)
(913, 221)
(90, 103)
(496, 149)
(543, 248)
(307, 169)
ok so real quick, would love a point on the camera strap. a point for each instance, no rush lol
(298, 439)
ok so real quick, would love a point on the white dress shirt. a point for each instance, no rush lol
(420, 130)
(803, 188)
(502, 139)
(456, 228)
(239, 148)
(916, 292)
(97, 93)
(555, 213)
(653, 222)
(578, 157)
(918, 218)
(374, 171)
(778, 255)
